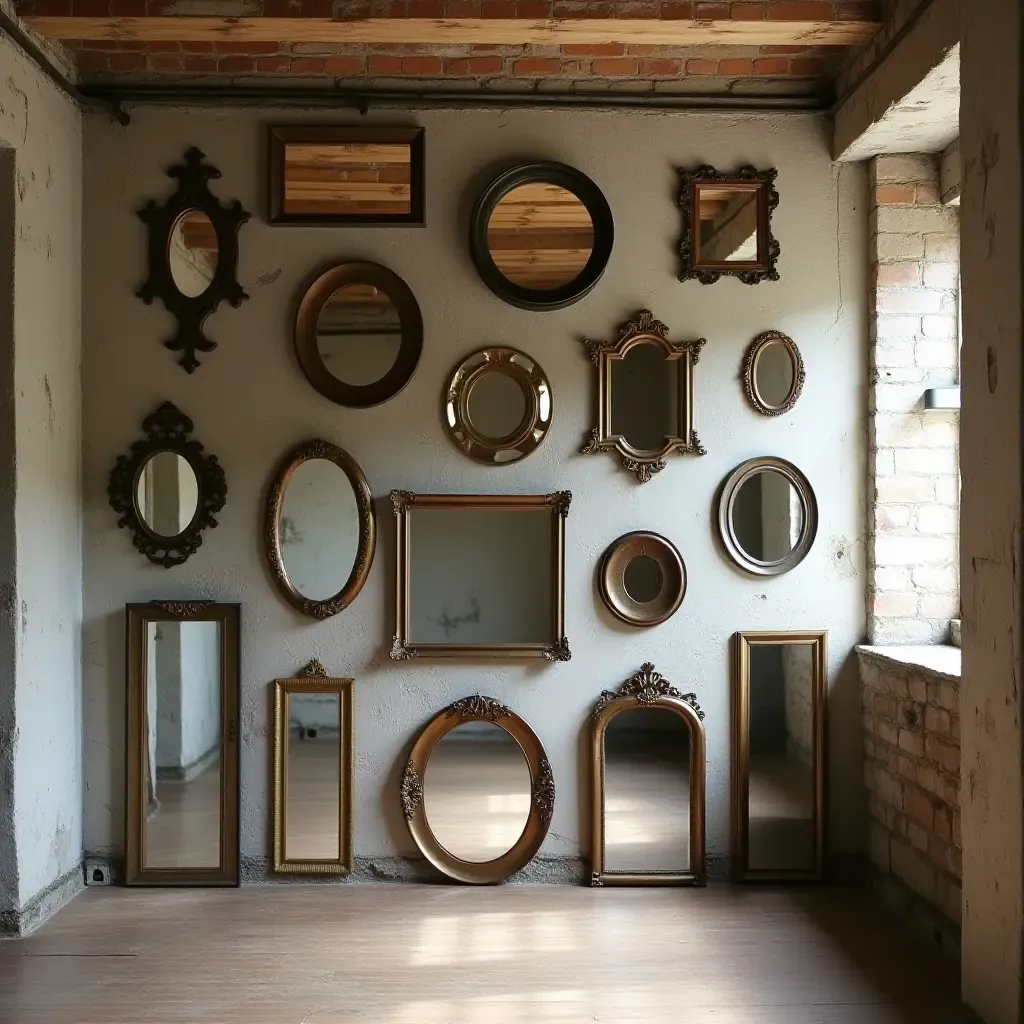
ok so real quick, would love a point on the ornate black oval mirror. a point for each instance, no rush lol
(320, 529)
(767, 516)
(166, 490)
(358, 334)
(642, 579)
(773, 373)
(541, 235)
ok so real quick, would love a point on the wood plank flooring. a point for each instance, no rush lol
(514, 954)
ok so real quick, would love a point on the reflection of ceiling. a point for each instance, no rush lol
(540, 236)
(358, 309)
(728, 225)
(325, 178)
(197, 232)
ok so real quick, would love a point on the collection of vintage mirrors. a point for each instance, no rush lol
(540, 237)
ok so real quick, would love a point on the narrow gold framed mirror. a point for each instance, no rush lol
(649, 778)
(779, 756)
(313, 774)
(644, 396)
(182, 777)
(477, 791)
(773, 373)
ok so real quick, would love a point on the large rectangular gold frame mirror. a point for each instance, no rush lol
(182, 744)
(779, 756)
(491, 566)
(313, 777)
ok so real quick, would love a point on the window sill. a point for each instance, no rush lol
(940, 659)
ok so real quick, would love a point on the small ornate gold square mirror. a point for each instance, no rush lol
(313, 774)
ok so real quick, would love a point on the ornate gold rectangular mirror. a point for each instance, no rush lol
(480, 574)
(313, 774)
(333, 175)
(182, 791)
(779, 687)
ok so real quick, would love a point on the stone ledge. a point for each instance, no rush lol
(941, 660)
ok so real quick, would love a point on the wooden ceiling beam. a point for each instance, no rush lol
(451, 31)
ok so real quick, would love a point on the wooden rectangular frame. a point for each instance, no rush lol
(557, 649)
(282, 135)
(138, 616)
(742, 642)
(312, 682)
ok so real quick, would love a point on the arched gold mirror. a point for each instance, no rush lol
(320, 529)
(773, 373)
(477, 791)
(498, 406)
(642, 579)
(648, 785)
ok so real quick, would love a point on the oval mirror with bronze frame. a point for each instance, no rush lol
(167, 490)
(642, 579)
(498, 406)
(648, 774)
(540, 235)
(773, 373)
(358, 334)
(320, 529)
(767, 516)
(448, 787)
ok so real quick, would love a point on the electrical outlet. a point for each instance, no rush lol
(96, 873)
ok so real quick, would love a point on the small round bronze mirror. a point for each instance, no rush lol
(642, 579)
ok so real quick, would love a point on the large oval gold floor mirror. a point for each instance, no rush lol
(477, 791)
(648, 785)
(779, 756)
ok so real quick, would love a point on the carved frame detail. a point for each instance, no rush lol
(749, 373)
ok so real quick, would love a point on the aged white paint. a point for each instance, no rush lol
(251, 404)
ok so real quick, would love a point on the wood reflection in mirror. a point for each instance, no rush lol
(340, 175)
(313, 765)
(648, 785)
(779, 683)
(182, 822)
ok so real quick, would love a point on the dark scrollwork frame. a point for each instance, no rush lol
(542, 803)
(747, 179)
(749, 373)
(649, 689)
(191, 311)
(682, 356)
(167, 430)
(318, 449)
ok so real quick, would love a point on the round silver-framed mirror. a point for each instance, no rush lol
(773, 373)
(767, 516)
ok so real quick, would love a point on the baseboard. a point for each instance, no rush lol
(16, 924)
(186, 773)
(927, 920)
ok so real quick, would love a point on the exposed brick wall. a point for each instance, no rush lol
(913, 541)
(856, 63)
(912, 774)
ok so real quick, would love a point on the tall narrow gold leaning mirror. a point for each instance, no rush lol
(313, 774)
(779, 686)
(648, 785)
(182, 792)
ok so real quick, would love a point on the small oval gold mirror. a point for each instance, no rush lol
(193, 253)
(167, 492)
(773, 373)
(642, 579)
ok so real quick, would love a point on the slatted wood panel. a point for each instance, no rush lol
(334, 178)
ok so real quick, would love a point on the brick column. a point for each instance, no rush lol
(913, 544)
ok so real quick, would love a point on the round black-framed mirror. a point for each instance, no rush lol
(551, 239)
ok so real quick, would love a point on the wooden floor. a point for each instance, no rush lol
(514, 954)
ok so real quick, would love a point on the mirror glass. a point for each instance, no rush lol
(767, 516)
(183, 737)
(319, 529)
(540, 236)
(728, 223)
(643, 579)
(647, 791)
(477, 791)
(358, 334)
(331, 178)
(781, 802)
(774, 374)
(313, 782)
(192, 253)
(644, 397)
(496, 404)
(167, 493)
(480, 576)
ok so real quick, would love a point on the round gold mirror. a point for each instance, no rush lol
(477, 791)
(193, 253)
(642, 579)
(773, 373)
(498, 406)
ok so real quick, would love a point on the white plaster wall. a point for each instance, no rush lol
(251, 403)
(200, 690)
(44, 130)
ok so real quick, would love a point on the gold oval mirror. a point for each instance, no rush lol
(193, 253)
(320, 529)
(498, 406)
(773, 373)
(642, 579)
